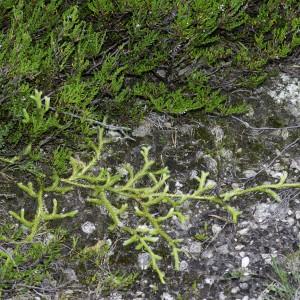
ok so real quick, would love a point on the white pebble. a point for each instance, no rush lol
(245, 262)
(88, 227)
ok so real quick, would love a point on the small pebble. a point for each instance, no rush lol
(193, 174)
(183, 266)
(235, 290)
(216, 229)
(88, 227)
(166, 296)
(195, 248)
(144, 260)
(244, 286)
(290, 221)
(223, 249)
(245, 262)
(235, 186)
(249, 173)
(70, 275)
(162, 73)
(209, 280)
(242, 254)
(207, 254)
(239, 247)
(243, 231)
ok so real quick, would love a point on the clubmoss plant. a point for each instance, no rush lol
(38, 122)
(41, 215)
(141, 192)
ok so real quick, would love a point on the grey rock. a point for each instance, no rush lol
(210, 183)
(243, 231)
(70, 275)
(183, 266)
(223, 249)
(278, 167)
(161, 73)
(166, 296)
(298, 237)
(218, 132)
(199, 154)
(185, 71)
(249, 173)
(295, 164)
(211, 164)
(185, 226)
(143, 130)
(297, 294)
(235, 186)
(286, 90)
(264, 211)
(267, 257)
(115, 296)
(186, 129)
(207, 254)
(242, 254)
(216, 229)
(178, 186)
(274, 173)
(168, 124)
(290, 221)
(139, 295)
(193, 174)
(114, 134)
(226, 153)
(284, 133)
(195, 248)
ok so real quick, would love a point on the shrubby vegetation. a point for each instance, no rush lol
(140, 192)
(99, 57)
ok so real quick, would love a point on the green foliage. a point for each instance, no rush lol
(99, 7)
(100, 57)
(104, 51)
(118, 281)
(195, 95)
(61, 156)
(42, 215)
(34, 259)
(141, 192)
(287, 280)
(36, 122)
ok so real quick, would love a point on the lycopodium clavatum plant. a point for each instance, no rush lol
(140, 192)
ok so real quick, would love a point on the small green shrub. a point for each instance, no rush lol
(37, 122)
(98, 56)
